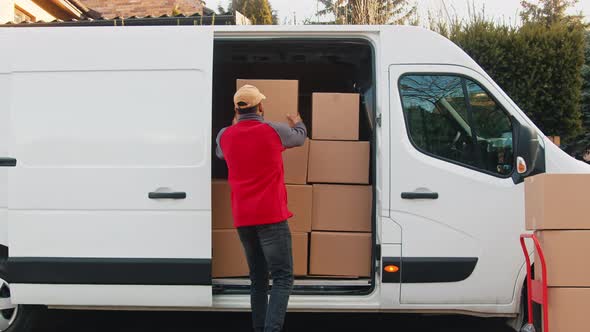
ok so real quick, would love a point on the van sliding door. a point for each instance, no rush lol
(110, 201)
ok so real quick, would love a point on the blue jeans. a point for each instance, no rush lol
(268, 249)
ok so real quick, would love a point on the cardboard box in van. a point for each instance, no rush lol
(300, 253)
(221, 213)
(295, 162)
(338, 162)
(300, 204)
(340, 254)
(557, 201)
(566, 257)
(342, 208)
(281, 97)
(568, 309)
(228, 259)
(335, 116)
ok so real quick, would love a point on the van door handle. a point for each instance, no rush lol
(419, 195)
(173, 195)
(7, 162)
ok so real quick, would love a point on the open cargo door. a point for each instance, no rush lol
(110, 201)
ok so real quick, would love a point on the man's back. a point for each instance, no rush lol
(252, 150)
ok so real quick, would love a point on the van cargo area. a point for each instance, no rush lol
(324, 71)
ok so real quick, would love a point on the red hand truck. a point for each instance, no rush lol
(536, 289)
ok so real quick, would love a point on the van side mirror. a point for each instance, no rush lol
(529, 152)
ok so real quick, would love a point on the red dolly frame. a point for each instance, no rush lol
(536, 289)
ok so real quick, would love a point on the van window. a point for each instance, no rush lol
(455, 119)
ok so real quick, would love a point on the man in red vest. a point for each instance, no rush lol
(252, 149)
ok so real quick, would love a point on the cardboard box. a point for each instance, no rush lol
(566, 256)
(340, 254)
(557, 201)
(281, 97)
(300, 203)
(335, 116)
(295, 162)
(300, 253)
(568, 309)
(338, 162)
(228, 258)
(342, 208)
(221, 213)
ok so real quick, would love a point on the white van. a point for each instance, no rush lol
(94, 119)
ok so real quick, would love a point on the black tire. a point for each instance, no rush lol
(26, 315)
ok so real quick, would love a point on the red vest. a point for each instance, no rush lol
(253, 152)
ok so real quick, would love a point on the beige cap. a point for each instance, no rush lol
(249, 95)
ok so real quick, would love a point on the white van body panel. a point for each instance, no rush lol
(96, 128)
(132, 106)
(4, 137)
(560, 162)
(4, 152)
(113, 296)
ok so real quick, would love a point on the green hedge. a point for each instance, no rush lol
(538, 66)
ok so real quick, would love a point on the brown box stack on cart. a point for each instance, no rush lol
(556, 210)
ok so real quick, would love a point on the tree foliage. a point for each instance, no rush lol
(539, 63)
(369, 11)
(260, 12)
(539, 66)
(548, 12)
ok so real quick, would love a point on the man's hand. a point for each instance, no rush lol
(293, 119)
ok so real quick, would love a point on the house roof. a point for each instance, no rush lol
(194, 19)
(67, 9)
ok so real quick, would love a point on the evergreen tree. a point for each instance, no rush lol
(258, 11)
(368, 11)
(548, 11)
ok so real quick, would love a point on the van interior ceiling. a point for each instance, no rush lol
(324, 65)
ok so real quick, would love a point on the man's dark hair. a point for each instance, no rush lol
(248, 110)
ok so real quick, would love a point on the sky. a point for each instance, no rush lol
(499, 9)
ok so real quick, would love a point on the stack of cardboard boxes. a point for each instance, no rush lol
(327, 187)
(557, 210)
(342, 199)
(227, 252)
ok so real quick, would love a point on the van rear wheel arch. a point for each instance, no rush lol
(14, 318)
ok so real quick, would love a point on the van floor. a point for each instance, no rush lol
(320, 65)
(300, 282)
(308, 286)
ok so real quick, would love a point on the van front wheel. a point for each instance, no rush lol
(14, 318)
